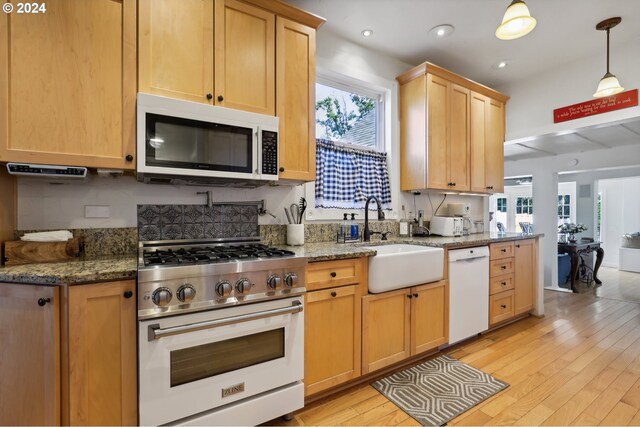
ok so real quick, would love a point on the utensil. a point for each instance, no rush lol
(286, 211)
(295, 213)
(303, 207)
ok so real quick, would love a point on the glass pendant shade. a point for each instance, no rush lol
(517, 22)
(609, 85)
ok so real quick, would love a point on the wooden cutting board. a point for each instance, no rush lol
(21, 252)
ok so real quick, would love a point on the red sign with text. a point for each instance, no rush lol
(597, 106)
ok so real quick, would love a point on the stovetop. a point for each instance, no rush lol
(210, 254)
(179, 277)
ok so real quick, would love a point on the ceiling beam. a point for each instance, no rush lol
(537, 149)
(591, 141)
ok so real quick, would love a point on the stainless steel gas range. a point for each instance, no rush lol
(221, 332)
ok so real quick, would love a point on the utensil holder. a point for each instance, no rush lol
(295, 234)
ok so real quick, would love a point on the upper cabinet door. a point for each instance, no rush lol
(437, 129)
(67, 84)
(296, 78)
(459, 147)
(494, 147)
(244, 57)
(478, 136)
(175, 49)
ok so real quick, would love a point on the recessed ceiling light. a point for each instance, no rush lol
(366, 33)
(441, 31)
(502, 64)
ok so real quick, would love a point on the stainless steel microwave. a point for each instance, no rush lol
(192, 143)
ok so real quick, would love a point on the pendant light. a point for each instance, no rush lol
(517, 22)
(609, 84)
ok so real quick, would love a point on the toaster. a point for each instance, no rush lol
(446, 226)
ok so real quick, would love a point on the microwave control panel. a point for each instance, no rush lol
(269, 153)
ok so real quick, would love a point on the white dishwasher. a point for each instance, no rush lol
(468, 292)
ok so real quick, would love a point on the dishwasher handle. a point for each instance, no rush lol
(471, 258)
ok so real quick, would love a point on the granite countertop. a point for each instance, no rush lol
(332, 251)
(125, 267)
(72, 272)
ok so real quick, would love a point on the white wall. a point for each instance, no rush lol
(530, 109)
(620, 214)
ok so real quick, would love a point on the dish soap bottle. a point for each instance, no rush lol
(355, 232)
(344, 231)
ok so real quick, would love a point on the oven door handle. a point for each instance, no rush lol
(155, 332)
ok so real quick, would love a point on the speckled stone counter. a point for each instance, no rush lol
(72, 272)
(330, 250)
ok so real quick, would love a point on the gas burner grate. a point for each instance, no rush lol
(211, 254)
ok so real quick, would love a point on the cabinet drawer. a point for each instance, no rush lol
(500, 267)
(328, 274)
(500, 307)
(501, 283)
(501, 250)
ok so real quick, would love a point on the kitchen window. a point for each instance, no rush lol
(501, 204)
(351, 159)
(564, 208)
(524, 206)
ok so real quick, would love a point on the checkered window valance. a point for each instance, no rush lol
(346, 176)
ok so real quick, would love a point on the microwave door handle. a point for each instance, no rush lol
(258, 153)
(154, 331)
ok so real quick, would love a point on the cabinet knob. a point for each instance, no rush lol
(43, 301)
(416, 295)
(209, 96)
(453, 183)
(281, 169)
(504, 267)
(334, 294)
(503, 283)
(503, 250)
(129, 158)
(409, 296)
(333, 274)
(220, 98)
(127, 294)
(503, 306)
(517, 246)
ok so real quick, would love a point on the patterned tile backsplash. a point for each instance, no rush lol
(177, 222)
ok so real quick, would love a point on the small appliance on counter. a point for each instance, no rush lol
(462, 210)
(446, 226)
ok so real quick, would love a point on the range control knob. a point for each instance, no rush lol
(291, 280)
(243, 286)
(186, 293)
(274, 281)
(161, 296)
(223, 288)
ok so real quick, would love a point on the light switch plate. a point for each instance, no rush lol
(97, 211)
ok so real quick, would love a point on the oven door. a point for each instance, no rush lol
(192, 363)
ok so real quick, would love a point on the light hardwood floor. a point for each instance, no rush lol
(579, 365)
(620, 285)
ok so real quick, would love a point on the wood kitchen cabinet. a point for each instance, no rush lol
(525, 274)
(513, 278)
(451, 132)
(29, 355)
(487, 144)
(175, 49)
(101, 355)
(295, 99)
(403, 323)
(67, 93)
(333, 323)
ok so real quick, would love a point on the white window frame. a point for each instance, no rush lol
(386, 89)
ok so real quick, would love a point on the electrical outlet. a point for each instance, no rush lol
(97, 211)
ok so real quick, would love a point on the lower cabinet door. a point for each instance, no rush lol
(524, 276)
(332, 337)
(102, 354)
(29, 355)
(429, 317)
(385, 332)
